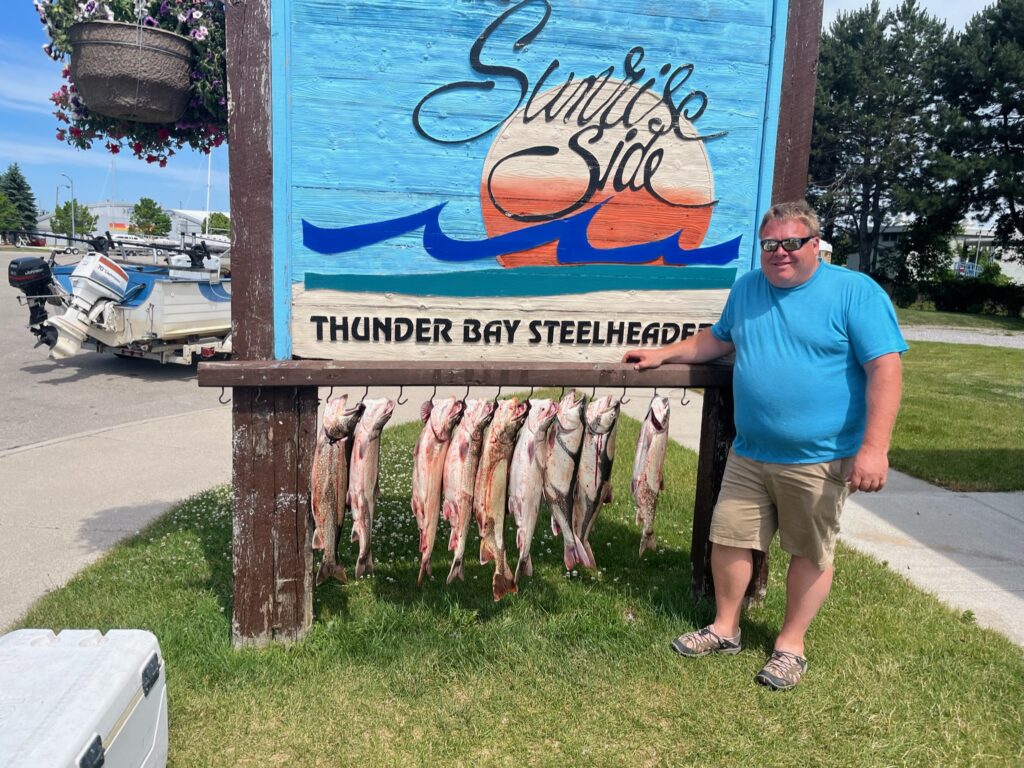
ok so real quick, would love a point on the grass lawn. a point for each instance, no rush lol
(961, 424)
(913, 316)
(574, 670)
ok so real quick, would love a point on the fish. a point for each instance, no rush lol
(647, 467)
(490, 490)
(565, 438)
(364, 471)
(594, 473)
(460, 466)
(439, 419)
(526, 478)
(329, 483)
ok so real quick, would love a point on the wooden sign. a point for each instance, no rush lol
(530, 181)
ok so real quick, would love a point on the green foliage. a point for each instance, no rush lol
(874, 154)
(574, 670)
(985, 91)
(148, 218)
(204, 123)
(10, 220)
(84, 221)
(15, 188)
(219, 224)
(975, 296)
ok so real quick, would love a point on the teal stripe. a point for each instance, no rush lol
(531, 281)
(280, 105)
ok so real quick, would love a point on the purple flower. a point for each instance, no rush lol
(165, 8)
(199, 33)
(149, 21)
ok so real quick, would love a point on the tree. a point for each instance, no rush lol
(14, 186)
(9, 218)
(218, 224)
(148, 218)
(985, 89)
(875, 151)
(84, 222)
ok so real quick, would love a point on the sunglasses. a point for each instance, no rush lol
(790, 244)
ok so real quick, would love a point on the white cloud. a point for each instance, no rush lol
(29, 78)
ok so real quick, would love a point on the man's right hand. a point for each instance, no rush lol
(644, 358)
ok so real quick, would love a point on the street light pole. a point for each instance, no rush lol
(74, 203)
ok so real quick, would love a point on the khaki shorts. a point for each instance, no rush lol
(802, 501)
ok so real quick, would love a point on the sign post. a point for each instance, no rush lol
(483, 189)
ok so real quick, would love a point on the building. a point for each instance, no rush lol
(115, 218)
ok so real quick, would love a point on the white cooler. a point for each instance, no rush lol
(82, 699)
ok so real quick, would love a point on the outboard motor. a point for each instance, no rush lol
(95, 282)
(32, 276)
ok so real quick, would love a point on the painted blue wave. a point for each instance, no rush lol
(571, 233)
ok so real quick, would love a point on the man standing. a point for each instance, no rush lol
(817, 385)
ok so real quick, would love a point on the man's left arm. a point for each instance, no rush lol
(884, 388)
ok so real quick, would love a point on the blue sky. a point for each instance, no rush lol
(27, 126)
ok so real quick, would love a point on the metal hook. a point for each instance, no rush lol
(329, 395)
(623, 399)
(530, 396)
(593, 392)
(433, 394)
(497, 394)
(366, 391)
(562, 393)
(221, 399)
(399, 400)
(684, 401)
(467, 394)
(259, 391)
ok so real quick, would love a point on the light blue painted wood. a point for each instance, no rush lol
(347, 76)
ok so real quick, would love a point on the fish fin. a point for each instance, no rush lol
(519, 539)
(554, 526)
(318, 539)
(661, 482)
(589, 562)
(457, 571)
(364, 567)
(453, 539)
(568, 552)
(648, 542)
(487, 553)
(501, 583)
(449, 511)
(417, 510)
(425, 410)
(606, 491)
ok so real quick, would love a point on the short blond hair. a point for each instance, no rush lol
(799, 210)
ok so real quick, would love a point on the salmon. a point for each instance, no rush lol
(460, 466)
(647, 466)
(439, 419)
(329, 483)
(364, 471)
(565, 438)
(526, 478)
(594, 474)
(490, 490)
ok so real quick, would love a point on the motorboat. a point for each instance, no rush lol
(151, 301)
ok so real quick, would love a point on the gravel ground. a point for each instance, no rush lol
(987, 338)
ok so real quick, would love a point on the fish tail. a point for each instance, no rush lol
(589, 562)
(424, 571)
(648, 542)
(502, 584)
(331, 570)
(457, 571)
(523, 568)
(364, 566)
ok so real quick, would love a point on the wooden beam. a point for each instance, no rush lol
(329, 373)
(796, 107)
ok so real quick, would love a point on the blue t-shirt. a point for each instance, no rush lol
(799, 379)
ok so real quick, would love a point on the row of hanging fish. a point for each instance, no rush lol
(477, 459)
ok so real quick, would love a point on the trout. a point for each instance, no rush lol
(460, 466)
(526, 478)
(647, 466)
(364, 470)
(490, 490)
(329, 483)
(565, 439)
(594, 475)
(439, 419)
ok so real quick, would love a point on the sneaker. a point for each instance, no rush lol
(705, 641)
(782, 671)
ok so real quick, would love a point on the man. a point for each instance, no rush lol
(817, 385)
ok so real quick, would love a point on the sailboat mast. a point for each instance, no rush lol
(209, 165)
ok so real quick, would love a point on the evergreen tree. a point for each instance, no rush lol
(148, 218)
(10, 221)
(19, 193)
(985, 88)
(875, 151)
(85, 221)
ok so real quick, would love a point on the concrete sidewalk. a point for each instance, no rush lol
(67, 501)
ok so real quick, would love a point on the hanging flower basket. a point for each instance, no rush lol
(131, 72)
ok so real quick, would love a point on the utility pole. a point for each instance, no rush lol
(74, 203)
